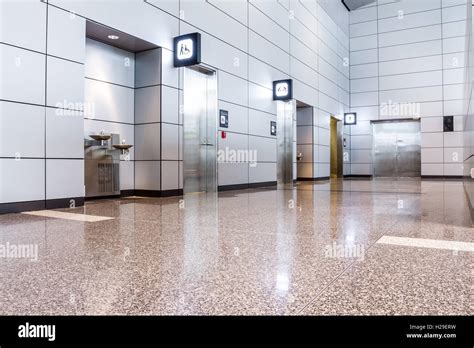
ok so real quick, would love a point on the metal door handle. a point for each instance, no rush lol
(207, 144)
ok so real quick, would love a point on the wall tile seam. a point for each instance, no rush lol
(417, 87)
(418, 57)
(248, 52)
(407, 73)
(404, 29)
(392, 46)
(110, 83)
(409, 43)
(294, 57)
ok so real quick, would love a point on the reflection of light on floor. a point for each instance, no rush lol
(427, 243)
(282, 282)
(68, 216)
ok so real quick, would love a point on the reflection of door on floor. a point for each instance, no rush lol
(396, 149)
(336, 148)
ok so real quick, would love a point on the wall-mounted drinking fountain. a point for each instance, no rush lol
(102, 163)
(102, 137)
(123, 147)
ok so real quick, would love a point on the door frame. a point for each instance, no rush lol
(206, 70)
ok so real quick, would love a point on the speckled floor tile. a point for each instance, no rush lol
(259, 251)
(396, 280)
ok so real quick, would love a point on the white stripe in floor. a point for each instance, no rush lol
(427, 243)
(68, 216)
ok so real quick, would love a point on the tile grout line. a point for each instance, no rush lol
(319, 293)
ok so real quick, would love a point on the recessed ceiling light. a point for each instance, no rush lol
(113, 37)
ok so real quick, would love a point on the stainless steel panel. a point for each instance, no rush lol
(102, 167)
(200, 131)
(397, 149)
(337, 148)
(286, 143)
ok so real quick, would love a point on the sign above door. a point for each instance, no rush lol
(187, 50)
(283, 90)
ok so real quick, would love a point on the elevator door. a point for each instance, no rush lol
(200, 131)
(397, 149)
(286, 144)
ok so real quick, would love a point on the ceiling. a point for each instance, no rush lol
(124, 41)
(352, 5)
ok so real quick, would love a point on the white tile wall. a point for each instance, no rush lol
(20, 68)
(64, 178)
(65, 83)
(409, 52)
(27, 176)
(21, 130)
(23, 24)
(64, 134)
(66, 35)
(257, 42)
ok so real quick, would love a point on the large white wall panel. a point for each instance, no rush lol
(21, 130)
(65, 84)
(23, 24)
(226, 28)
(22, 180)
(22, 75)
(110, 102)
(64, 178)
(64, 134)
(406, 7)
(66, 35)
(110, 64)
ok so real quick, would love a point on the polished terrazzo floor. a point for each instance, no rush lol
(259, 251)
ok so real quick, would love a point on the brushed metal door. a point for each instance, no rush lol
(397, 149)
(286, 143)
(200, 131)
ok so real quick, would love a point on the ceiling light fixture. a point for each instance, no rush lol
(113, 37)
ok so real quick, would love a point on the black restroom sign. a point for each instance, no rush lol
(283, 90)
(187, 50)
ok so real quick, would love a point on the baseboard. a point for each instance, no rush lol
(171, 193)
(324, 178)
(235, 187)
(263, 184)
(442, 177)
(127, 193)
(20, 207)
(97, 198)
(65, 203)
(156, 193)
(148, 193)
(355, 177)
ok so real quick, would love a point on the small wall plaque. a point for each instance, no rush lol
(273, 128)
(224, 118)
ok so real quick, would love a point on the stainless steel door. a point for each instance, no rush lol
(397, 149)
(200, 131)
(286, 143)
